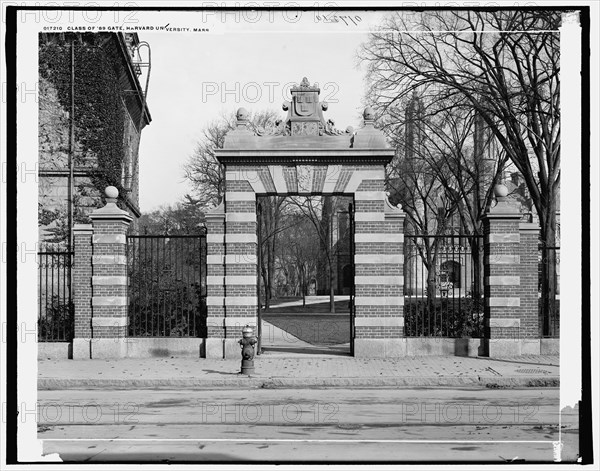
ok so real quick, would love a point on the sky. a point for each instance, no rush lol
(196, 77)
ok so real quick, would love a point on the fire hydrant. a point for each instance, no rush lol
(247, 345)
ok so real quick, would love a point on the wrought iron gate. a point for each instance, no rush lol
(167, 286)
(443, 286)
(55, 316)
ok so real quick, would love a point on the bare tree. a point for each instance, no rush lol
(207, 176)
(203, 170)
(506, 65)
(298, 254)
(446, 167)
(319, 210)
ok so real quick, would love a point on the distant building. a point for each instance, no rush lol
(92, 110)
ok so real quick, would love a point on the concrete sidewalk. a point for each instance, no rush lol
(276, 371)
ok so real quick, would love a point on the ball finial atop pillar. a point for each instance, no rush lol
(500, 191)
(242, 114)
(111, 193)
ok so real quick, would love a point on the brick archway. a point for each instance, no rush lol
(305, 155)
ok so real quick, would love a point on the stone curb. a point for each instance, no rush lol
(256, 382)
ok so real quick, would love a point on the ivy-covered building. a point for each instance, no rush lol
(92, 110)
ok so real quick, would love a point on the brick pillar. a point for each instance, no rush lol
(215, 282)
(530, 321)
(82, 290)
(241, 302)
(109, 279)
(379, 283)
(502, 270)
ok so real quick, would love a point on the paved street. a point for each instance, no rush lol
(307, 425)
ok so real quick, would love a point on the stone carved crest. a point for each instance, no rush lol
(305, 103)
(304, 115)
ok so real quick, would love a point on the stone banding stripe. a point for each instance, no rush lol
(367, 217)
(109, 239)
(232, 259)
(240, 217)
(379, 280)
(500, 259)
(231, 280)
(109, 300)
(397, 321)
(109, 260)
(215, 259)
(503, 302)
(504, 238)
(236, 259)
(109, 280)
(231, 301)
(380, 237)
(503, 280)
(120, 321)
(231, 238)
(368, 259)
(369, 196)
(379, 301)
(240, 196)
(504, 322)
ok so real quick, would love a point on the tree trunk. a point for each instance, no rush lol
(476, 263)
(331, 289)
(303, 288)
(549, 278)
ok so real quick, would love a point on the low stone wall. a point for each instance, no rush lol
(159, 347)
(55, 350)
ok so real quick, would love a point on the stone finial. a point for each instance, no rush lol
(503, 204)
(324, 106)
(369, 114)
(500, 191)
(111, 194)
(111, 210)
(242, 114)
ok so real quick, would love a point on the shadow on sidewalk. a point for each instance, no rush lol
(337, 350)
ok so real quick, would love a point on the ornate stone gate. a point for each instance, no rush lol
(304, 154)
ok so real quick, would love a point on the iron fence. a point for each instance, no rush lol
(549, 290)
(443, 286)
(55, 305)
(167, 286)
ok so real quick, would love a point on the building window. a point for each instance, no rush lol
(450, 273)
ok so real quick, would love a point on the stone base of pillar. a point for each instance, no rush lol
(380, 348)
(213, 348)
(82, 349)
(505, 348)
(233, 351)
(223, 348)
(109, 348)
(442, 346)
(549, 346)
(514, 347)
